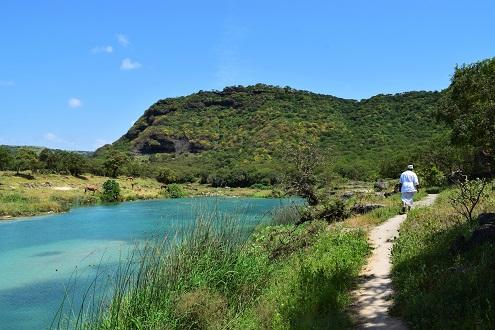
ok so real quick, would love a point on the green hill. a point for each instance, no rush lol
(251, 127)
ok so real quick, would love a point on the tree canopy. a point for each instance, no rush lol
(468, 106)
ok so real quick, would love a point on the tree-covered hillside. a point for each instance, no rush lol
(252, 127)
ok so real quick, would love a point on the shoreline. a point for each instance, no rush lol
(43, 194)
(4, 218)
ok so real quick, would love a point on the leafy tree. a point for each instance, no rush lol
(114, 163)
(468, 106)
(74, 163)
(25, 159)
(302, 179)
(6, 158)
(432, 176)
(49, 159)
(166, 176)
(111, 191)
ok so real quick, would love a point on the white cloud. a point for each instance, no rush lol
(74, 102)
(123, 40)
(7, 83)
(103, 49)
(128, 64)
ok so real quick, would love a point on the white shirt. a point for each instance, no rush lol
(409, 181)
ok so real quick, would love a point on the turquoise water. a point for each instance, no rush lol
(39, 255)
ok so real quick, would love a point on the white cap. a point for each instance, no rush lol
(410, 167)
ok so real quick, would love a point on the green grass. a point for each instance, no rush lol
(437, 289)
(22, 197)
(281, 277)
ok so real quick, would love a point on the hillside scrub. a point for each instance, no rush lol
(438, 287)
(238, 136)
(281, 277)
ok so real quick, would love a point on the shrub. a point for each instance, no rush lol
(432, 177)
(330, 211)
(166, 176)
(260, 186)
(111, 191)
(175, 190)
(467, 196)
(433, 190)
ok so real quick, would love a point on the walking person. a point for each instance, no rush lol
(409, 185)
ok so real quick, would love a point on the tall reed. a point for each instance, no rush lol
(189, 280)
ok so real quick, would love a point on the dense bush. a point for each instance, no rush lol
(330, 211)
(111, 191)
(175, 190)
(431, 177)
(6, 158)
(166, 176)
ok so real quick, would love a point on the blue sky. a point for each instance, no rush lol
(77, 74)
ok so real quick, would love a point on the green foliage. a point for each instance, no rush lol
(239, 136)
(6, 158)
(468, 104)
(310, 290)
(215, 277)
(114, 163)
(26, 159)
(166, 176)
(468, 107)
(175, 190)
(467, 195)
(111, 191)
(301, 179)
(75, 163)
(260, 186)
(432, 176)
(436, 289)
(330, 211)
(433, 190)
(287, 215)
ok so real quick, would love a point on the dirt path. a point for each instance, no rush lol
(373, 297)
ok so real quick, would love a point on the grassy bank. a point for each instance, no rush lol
(437, 288)
(282, 277)
(43, 193)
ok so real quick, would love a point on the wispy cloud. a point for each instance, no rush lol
(102, 49)
(128, 64)
(7, 83)
(123, 40)
(74, 102)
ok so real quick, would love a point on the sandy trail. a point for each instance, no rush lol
(373, 297)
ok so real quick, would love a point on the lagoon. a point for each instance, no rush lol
(40, 256)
